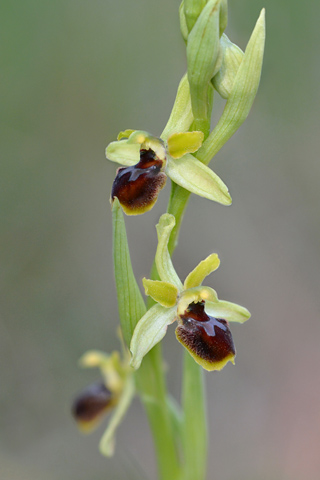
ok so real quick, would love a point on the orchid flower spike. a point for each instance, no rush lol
(202, 318)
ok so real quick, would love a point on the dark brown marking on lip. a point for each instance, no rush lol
(91, 403)
(137, 187)
(207, 337)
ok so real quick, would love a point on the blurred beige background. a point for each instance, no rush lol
(73, 74)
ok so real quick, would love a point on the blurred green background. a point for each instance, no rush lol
(73, 74)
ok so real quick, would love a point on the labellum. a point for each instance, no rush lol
(137, 187)
(91, 404)
(207, 339)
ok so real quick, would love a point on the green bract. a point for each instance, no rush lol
(175, 160)
(242, 95)
(231, 59)
(130, 302)
(175, 301)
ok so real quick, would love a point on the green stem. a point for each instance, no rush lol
(177, 204)
(195, 435)
(194, 432)
(150, 380)
(151, 385)
(150, 377)
(152, 388)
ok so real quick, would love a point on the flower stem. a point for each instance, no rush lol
(151, 385)
(150, 380)
(195, 434)
(177, 204)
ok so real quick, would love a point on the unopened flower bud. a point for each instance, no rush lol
(232, 57)
(223, 15)
(192, 10)
(91, 405)
(183, 23)
(203, 54)
(207, 339)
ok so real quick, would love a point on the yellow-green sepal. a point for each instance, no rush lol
(181, 116)
(163, 260)
(201, 271)
(191, 174)
(227, 310)
(162, 292)
(184, 142)
(149, 331)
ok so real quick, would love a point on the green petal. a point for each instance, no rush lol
(202, 270)
(162, 292)
(181, 116)
(184, 142)
(123, 152)
(195, 295)
(196, 177)
(227, 311)
(107, 442)
(242, 95)
(130, 301)
(125, 134)
(110, 366)
(93, 359)
(150, 330)
(163, 260)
